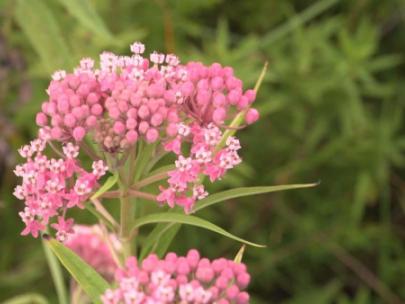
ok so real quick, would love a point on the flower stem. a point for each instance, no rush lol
(112, 225)
(89, 150)
(127, 211)
(151, 179)
(111, 194)
(101, 210)
(128, 207)
(107, 240)
(144, 195)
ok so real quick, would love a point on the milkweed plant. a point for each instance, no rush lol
(102, 135)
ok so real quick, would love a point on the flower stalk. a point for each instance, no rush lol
(151, 179)
(127, 210)
(144, 195)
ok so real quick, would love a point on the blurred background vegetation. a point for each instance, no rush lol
(332, 109)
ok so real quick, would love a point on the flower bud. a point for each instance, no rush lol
(252, 116)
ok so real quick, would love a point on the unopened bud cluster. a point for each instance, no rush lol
(139, 97)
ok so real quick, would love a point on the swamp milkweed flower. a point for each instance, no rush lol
(90, 243)
(51, 186)
(180, 279)
(182, 108)
(187, 110)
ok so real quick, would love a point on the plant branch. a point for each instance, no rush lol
(107, 240)
(55, 149)
(98, 215)
(111, 194)
(100, 208)
(144, 195)
(150, 180)
(89, 150)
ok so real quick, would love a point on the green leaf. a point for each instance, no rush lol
(145, 153)
(152, 242)
(245, 191)
(155, 236)
(361, 194)
(384, 63)
(85, 13)
(166, 239)
(189, 220)
(239, 256)
(111, 181)
(29, 298)
(297, 21)
(56, 273)
(88, 279)
(39, 24)
(321, 295)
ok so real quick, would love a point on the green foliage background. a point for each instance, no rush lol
(332, 109)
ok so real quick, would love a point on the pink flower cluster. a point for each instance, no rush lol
(189, 279)
(51, 186)
(90, 244)
(73, 106)
(131, 98)
(205, 158)
(123, 100)
(128, 98)
(215, 95)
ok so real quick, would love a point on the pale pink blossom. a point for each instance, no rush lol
(186, 108)
(177, 279)
(205, 158)
(90, 243)
(47, 189)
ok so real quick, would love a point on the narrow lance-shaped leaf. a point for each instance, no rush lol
(297, 21)
(155, 242)
(189, 220)
(39, 24)
(166, 238)
(152, 242)
(239, 256)
(245, 191)
(145, 153)
(56, 273)
(88, 279)
(88, 17)
(166, 229)
(110, 182)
